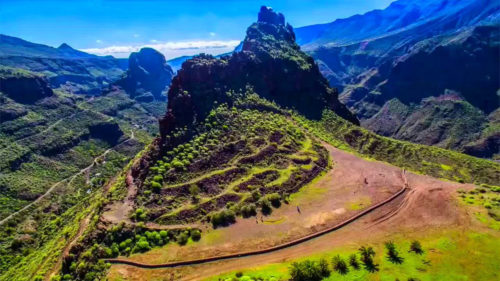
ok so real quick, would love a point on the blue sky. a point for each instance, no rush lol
(174, 27)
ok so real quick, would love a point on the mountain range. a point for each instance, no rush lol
(387, 62)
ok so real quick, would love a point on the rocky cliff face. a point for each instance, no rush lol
(148, 75)
(23, 88)
(270, 62)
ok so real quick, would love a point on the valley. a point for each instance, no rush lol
(367, 152)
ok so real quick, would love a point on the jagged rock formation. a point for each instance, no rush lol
(270, 62)
(148, 75)
(23, 88)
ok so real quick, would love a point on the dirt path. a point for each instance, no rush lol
(69, 179)
(427, 204)
(264, 251)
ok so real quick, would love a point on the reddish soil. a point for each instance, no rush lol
(352, 185)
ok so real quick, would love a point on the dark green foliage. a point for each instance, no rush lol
(339, 265)
(323, 266)
(248, 210)
(367, 254)
(392, 254)
(353, 261)
(223, 218)
(275, 199)
(416, 247)
(195, 235)
(308, 271)
(265, 206)
(183, 237)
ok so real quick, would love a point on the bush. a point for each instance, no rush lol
(306, 271)
(155, 186)
(353, 261)
(248, 210)
(392, 253)
(367, 254)
(265, 206)
(339, 265)
(416, 247)
(196, 235)
(274, 199)
(183, 237)
(223, 218)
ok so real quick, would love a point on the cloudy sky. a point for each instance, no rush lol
(113, 27)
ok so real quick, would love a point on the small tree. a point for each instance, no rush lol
(339, 265)
(196, 235)
(306, 271)
(323, 266)
(416, 247)
(194, 190)
(392, 253)
(367, 254)
(353, 261)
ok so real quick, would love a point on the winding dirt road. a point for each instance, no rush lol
(264, 251)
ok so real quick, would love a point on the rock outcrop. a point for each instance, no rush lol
(24, 87)
(148, 75)
(270, 62)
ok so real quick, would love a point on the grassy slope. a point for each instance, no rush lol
(450, 255)
(421, 159)
(54, 134)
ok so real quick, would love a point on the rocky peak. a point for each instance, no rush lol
(270, 62)
(148, 75)
(267, 15)
(65, 46)
(269, 32)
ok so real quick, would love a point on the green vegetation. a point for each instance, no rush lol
(423, 159)
(446, 256)
(237, 162)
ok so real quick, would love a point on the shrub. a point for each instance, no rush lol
(392, 253)
(183, 237)
(265, 206)
(196, 235)
(248, 210)
(223, 218)
(339, 265)
(155, 186)
(274, 199)
(367, 254)
(416, 247)
(353, 261)
(323, 266)
(306, 271)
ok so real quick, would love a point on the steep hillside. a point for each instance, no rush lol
(396, 59)
(65, 68)
(228, 159)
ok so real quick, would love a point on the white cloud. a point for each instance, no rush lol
(170, 49)
(153, 41)
(212, 34)
(137, 35)
(98, 41)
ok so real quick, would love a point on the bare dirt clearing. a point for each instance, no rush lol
(352, 185)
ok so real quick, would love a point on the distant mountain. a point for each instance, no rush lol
(410, 51)
(147, 77)
(66, 68)
(437, 16)
(176, 63)
(12, 46)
